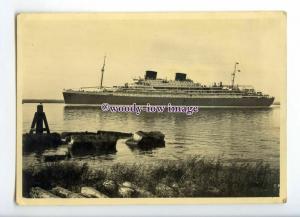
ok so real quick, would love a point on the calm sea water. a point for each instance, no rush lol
(231, 135)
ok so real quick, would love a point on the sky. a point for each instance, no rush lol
(57, 51)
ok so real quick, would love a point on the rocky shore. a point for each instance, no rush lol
(192, 177)
(55, 146)
(58, 177)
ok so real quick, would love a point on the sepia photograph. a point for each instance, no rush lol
(151, 108)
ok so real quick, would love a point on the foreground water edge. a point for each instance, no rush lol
(233, 135)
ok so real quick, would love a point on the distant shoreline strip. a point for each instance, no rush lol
(43, 101)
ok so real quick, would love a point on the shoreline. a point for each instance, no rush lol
(192, 177)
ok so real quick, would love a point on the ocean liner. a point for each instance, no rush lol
(181, 91)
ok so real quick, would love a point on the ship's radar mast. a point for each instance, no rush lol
(102, 72)
(233, 74)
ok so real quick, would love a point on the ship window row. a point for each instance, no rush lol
(150, 91)
(183, 93)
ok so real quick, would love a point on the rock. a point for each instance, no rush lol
(110, 187)
(37, 192)
(113, 134)
(103, 134)
(91, 144)
(39, 142)
(56, 155)
(137, 191)
(128, 185)
(91, 193)
(64, 193)
(142, 193)
(163, 190)
(126, 192)
(66, 136)
(146, 140)
(175, 186)
(213, 190)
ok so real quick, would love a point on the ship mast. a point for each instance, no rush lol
(233, 74)
(102, 72)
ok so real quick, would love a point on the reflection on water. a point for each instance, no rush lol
(246, 135)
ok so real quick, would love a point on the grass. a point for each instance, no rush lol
(193, 177)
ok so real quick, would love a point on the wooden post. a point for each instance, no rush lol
(38, 120)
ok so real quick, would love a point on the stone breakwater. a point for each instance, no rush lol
(55, 147)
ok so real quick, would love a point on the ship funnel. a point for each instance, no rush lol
(180, 76)
(150, 75)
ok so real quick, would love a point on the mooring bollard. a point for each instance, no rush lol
(38, 120)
